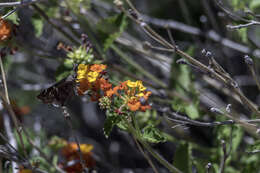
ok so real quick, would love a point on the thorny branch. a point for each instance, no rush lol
(211, 34)
(18, 125)
(234, 16)
(225, 152)
(6, 101)
(249, 62)
(18, 3)
(215, 72)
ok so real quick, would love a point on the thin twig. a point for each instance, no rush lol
(42, 154)
(219, 76)
(138, 67)
(68, 120)
(233, 15)
(250, 64)
(225, 152)
(229, 12)
(60, 29)
(18, 3)
(157, 156)
(6, 100)
(9, 13)
(233, 27)
(11, 112)
(146, 156)
(10, 135)
(176, 117)
(210, 34)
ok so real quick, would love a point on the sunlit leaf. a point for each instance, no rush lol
(153, 135)
(115, 26)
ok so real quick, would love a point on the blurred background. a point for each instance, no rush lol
(194, 25)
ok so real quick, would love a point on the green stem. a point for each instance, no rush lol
(58, 28)
(87, 28)
(157, 156)
(137, 66)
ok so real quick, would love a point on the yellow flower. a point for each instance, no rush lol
(82, 70)
(86, 148)
(92, 76)
(140, 85)
(140, 94)
(132, 84)
(72, 148)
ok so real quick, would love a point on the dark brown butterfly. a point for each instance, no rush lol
(59, 93)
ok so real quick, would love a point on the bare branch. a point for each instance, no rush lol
(18, 3)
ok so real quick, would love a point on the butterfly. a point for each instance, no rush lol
(59, 93)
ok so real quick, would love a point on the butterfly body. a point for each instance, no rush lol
(60, 92)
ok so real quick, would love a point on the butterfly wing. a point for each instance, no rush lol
(58, 93)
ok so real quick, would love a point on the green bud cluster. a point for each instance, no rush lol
(105, 103)
(81, 56)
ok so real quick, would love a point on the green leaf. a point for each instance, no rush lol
(56, 143)
(153, 135)
(254, 147)
(63, 71)
(111, 28)
(122, 125)
(110, 122)
(38, 26)
(55, 160)
(237, 136)
(255, 5)
(14, 18)
(243, 34)
(192, 111)
(182, 81)
(147, 117)
(182, 158)
(75, 5)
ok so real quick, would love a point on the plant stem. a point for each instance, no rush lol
(44, 15)
(5, 98)
(157, 156)
(68, 120)
(138, 67)
(219, 76)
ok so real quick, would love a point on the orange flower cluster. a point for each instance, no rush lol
(90, 79)
(70, 152)
(5, 30)
(134, 95)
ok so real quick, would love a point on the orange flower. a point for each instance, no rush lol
(123, 86)
(133, 104)
(90, 79)
(84, 85)
(98, 67)
(5, 30)
(145, 94)
(145, 107)
(104, 84)
(109, 93)
(70, 152)
(71, 148)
